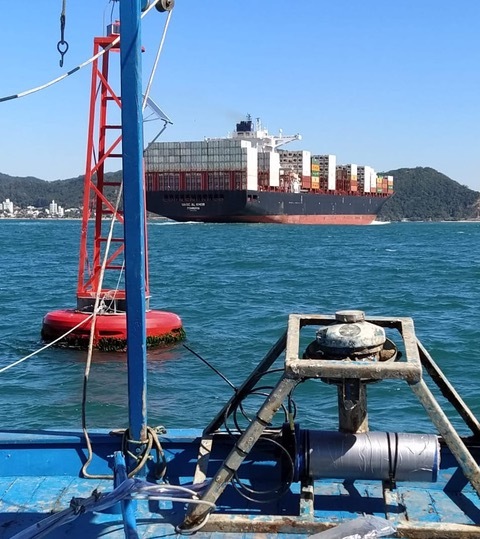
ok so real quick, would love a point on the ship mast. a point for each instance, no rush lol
(134, 215)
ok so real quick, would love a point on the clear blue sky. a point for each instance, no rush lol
(380, 82)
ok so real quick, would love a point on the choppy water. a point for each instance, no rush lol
(234, 286)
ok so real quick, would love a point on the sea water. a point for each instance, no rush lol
(234, 287)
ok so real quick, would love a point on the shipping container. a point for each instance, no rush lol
(236, 164)
(306, 182)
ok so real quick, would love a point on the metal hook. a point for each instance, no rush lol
(62, 48)
(62, 45)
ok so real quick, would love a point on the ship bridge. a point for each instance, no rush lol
(259, 136)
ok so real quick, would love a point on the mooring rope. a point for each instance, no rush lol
(46, 346)
(75, 69)
(157, 58)
(92, 337)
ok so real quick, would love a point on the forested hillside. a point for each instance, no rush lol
(422, 193)
(39, 193)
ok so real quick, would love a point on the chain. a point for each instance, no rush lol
(62, 45)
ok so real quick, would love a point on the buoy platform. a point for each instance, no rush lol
(110, 329)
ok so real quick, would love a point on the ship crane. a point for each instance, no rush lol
(280, 140)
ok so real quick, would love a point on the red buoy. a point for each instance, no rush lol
(110, 333)
(97, 276)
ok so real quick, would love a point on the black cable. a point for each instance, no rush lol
(285, 486)
(211, 367)
(392, 461)
(255, 391)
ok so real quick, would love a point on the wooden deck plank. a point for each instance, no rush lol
(424, 505)
(26, 500)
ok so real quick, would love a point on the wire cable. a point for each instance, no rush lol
(276, 493)
(75, 69)
(211, 367)
(98, 501)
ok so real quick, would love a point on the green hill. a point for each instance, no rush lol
(422, 194)
(39, 193)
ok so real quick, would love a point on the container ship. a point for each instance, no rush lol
(246, 178)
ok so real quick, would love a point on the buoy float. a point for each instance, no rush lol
(72, 326)
(110, 333)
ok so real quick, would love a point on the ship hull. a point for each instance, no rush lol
(265, 207)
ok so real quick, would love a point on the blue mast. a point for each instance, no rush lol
(134, 215)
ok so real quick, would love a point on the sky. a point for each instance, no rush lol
(383, 83)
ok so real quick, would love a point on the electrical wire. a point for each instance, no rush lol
(256, 391)
(216, 371)
(278, 492)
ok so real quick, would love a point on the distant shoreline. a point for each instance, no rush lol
(163, 219)
(66, 219)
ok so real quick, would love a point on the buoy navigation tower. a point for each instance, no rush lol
(100, 287)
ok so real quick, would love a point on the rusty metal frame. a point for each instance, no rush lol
(297, 369)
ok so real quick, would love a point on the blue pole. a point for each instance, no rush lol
(134, 217)
(128, 506)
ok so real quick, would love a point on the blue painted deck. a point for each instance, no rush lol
(29, 492)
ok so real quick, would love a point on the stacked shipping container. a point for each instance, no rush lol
(384, 184)
(315, 171)
(347, 179)
(268, 169)
(327, 167)
(211, 165)
(367, 179)
(233, 164)
(297, 162)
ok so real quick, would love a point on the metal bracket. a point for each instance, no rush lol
(297, 369)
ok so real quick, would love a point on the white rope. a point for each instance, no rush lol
(157, 58)
(117, 287)
(46, 346)
(95, 309)
(91, 339)
(75, 69)
(100, 282)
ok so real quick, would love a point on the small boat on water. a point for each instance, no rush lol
(251, 472)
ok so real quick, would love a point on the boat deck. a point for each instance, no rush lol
(448, 508)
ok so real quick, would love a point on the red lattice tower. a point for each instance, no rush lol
(101, 197)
